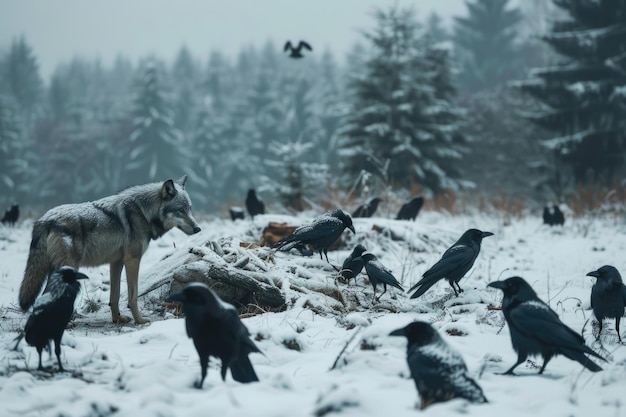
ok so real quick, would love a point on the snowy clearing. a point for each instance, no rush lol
(149, 370)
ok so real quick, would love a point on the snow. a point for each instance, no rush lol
(149, 370)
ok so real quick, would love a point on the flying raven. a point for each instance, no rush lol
(296, 52)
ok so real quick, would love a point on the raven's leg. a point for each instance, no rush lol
(326, 255)
(546, 359)
(521, 357)
(617, 319)
(40, 350)
(57, 351)
(459, 287)
(384, 291)
(600, 331)
(204, 363)
(456, 294)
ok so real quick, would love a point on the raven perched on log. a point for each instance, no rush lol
(320, 234)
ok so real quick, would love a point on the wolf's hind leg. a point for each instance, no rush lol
(132, 278)
(115, 274)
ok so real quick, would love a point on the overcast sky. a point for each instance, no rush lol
(61, 29)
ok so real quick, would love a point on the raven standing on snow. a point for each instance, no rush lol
(379, 274)
(411, 209)
(367, 209)
(439, 372)
(353, 264)
(254, 204)
(454, 263)
(537, 330)
(608, 296)
(216, 330)
(52, 311)
(320, 234)
(296, 52)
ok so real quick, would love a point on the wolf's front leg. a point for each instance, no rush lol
(132, 277)
(115, 276)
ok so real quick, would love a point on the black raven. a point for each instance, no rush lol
(537, 330)
(558, 218)
(454, 263)
(320, 234)
(608, 296)
(216, 330)
(296, 52)
(547, 216)
(439, 372)
(367, 209)
(379, 274)
(410, 209)
(11, 215)
(53, 310)
(353, 264)
(254, 204)
(236, 213)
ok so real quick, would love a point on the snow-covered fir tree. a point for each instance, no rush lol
(402, 125)
(583, 97)
(486, 40)
(158, 149)
(20, 71)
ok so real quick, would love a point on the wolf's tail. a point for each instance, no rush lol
(37, 267)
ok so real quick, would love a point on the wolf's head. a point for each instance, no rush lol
(176, 207)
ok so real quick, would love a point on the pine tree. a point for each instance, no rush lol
(435, 28)
(157, 147)
(403, 127)
(185, 82)
(486, 40)
(21, 74)
(583, 97)
(12, 164)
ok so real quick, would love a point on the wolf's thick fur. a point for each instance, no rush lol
(114, 230)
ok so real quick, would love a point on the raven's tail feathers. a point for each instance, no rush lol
(423, 285)
(580, 357)
(242, 370)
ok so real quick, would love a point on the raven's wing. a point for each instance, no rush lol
(287, 46)
(535, 320)
(305, 45)
(381, 273)
(457, 259)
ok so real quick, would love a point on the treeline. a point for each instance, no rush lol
(413, 107)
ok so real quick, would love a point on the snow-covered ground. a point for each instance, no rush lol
(149, 370)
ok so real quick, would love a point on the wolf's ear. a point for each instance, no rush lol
(182, 181)
(169, 189)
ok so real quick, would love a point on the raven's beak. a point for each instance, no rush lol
(178, 297)
(486, 234)
(352, 228)
(80, 275)
(397, 332)
(593, 274)
(497, 284)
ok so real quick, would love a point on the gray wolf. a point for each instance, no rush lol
(53, 311)
(216, 330)
(115, 230)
